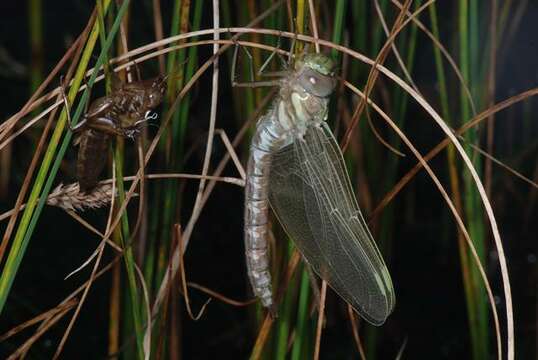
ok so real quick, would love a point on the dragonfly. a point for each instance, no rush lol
(295, 166)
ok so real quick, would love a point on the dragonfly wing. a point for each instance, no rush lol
(312, 197)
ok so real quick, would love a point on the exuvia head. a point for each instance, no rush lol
(316, 74)
(158, 88)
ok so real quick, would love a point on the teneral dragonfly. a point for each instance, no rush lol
(296, 166)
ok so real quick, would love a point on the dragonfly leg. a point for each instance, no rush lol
(138, 73)
(283, 62)
(252, 83)
(116, 82)
(89, 95)
(292, 46)
(81, 124)
(137, 69)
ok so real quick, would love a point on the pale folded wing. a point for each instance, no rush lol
(312, 197)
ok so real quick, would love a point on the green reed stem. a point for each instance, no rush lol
(358, 33)
(439, 67)
(478, 308)
(35, 12)
(283, 324)
(301, 332)
(102, 41)
(339, 19)
(452, 167)
(37, 198)
(377, 31)
(128, 252)
(171, 200)
(464, 67)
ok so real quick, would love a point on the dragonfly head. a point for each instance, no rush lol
(316, 74)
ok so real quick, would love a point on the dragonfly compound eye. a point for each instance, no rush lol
(317, 84)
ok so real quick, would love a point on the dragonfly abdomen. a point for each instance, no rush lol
(268, 138)
(256, 212)
(91, 158)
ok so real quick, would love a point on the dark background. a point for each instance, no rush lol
(430, 311)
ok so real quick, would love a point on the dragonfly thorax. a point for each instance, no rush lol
(304, 94)
(298, 109)
(302, 102)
